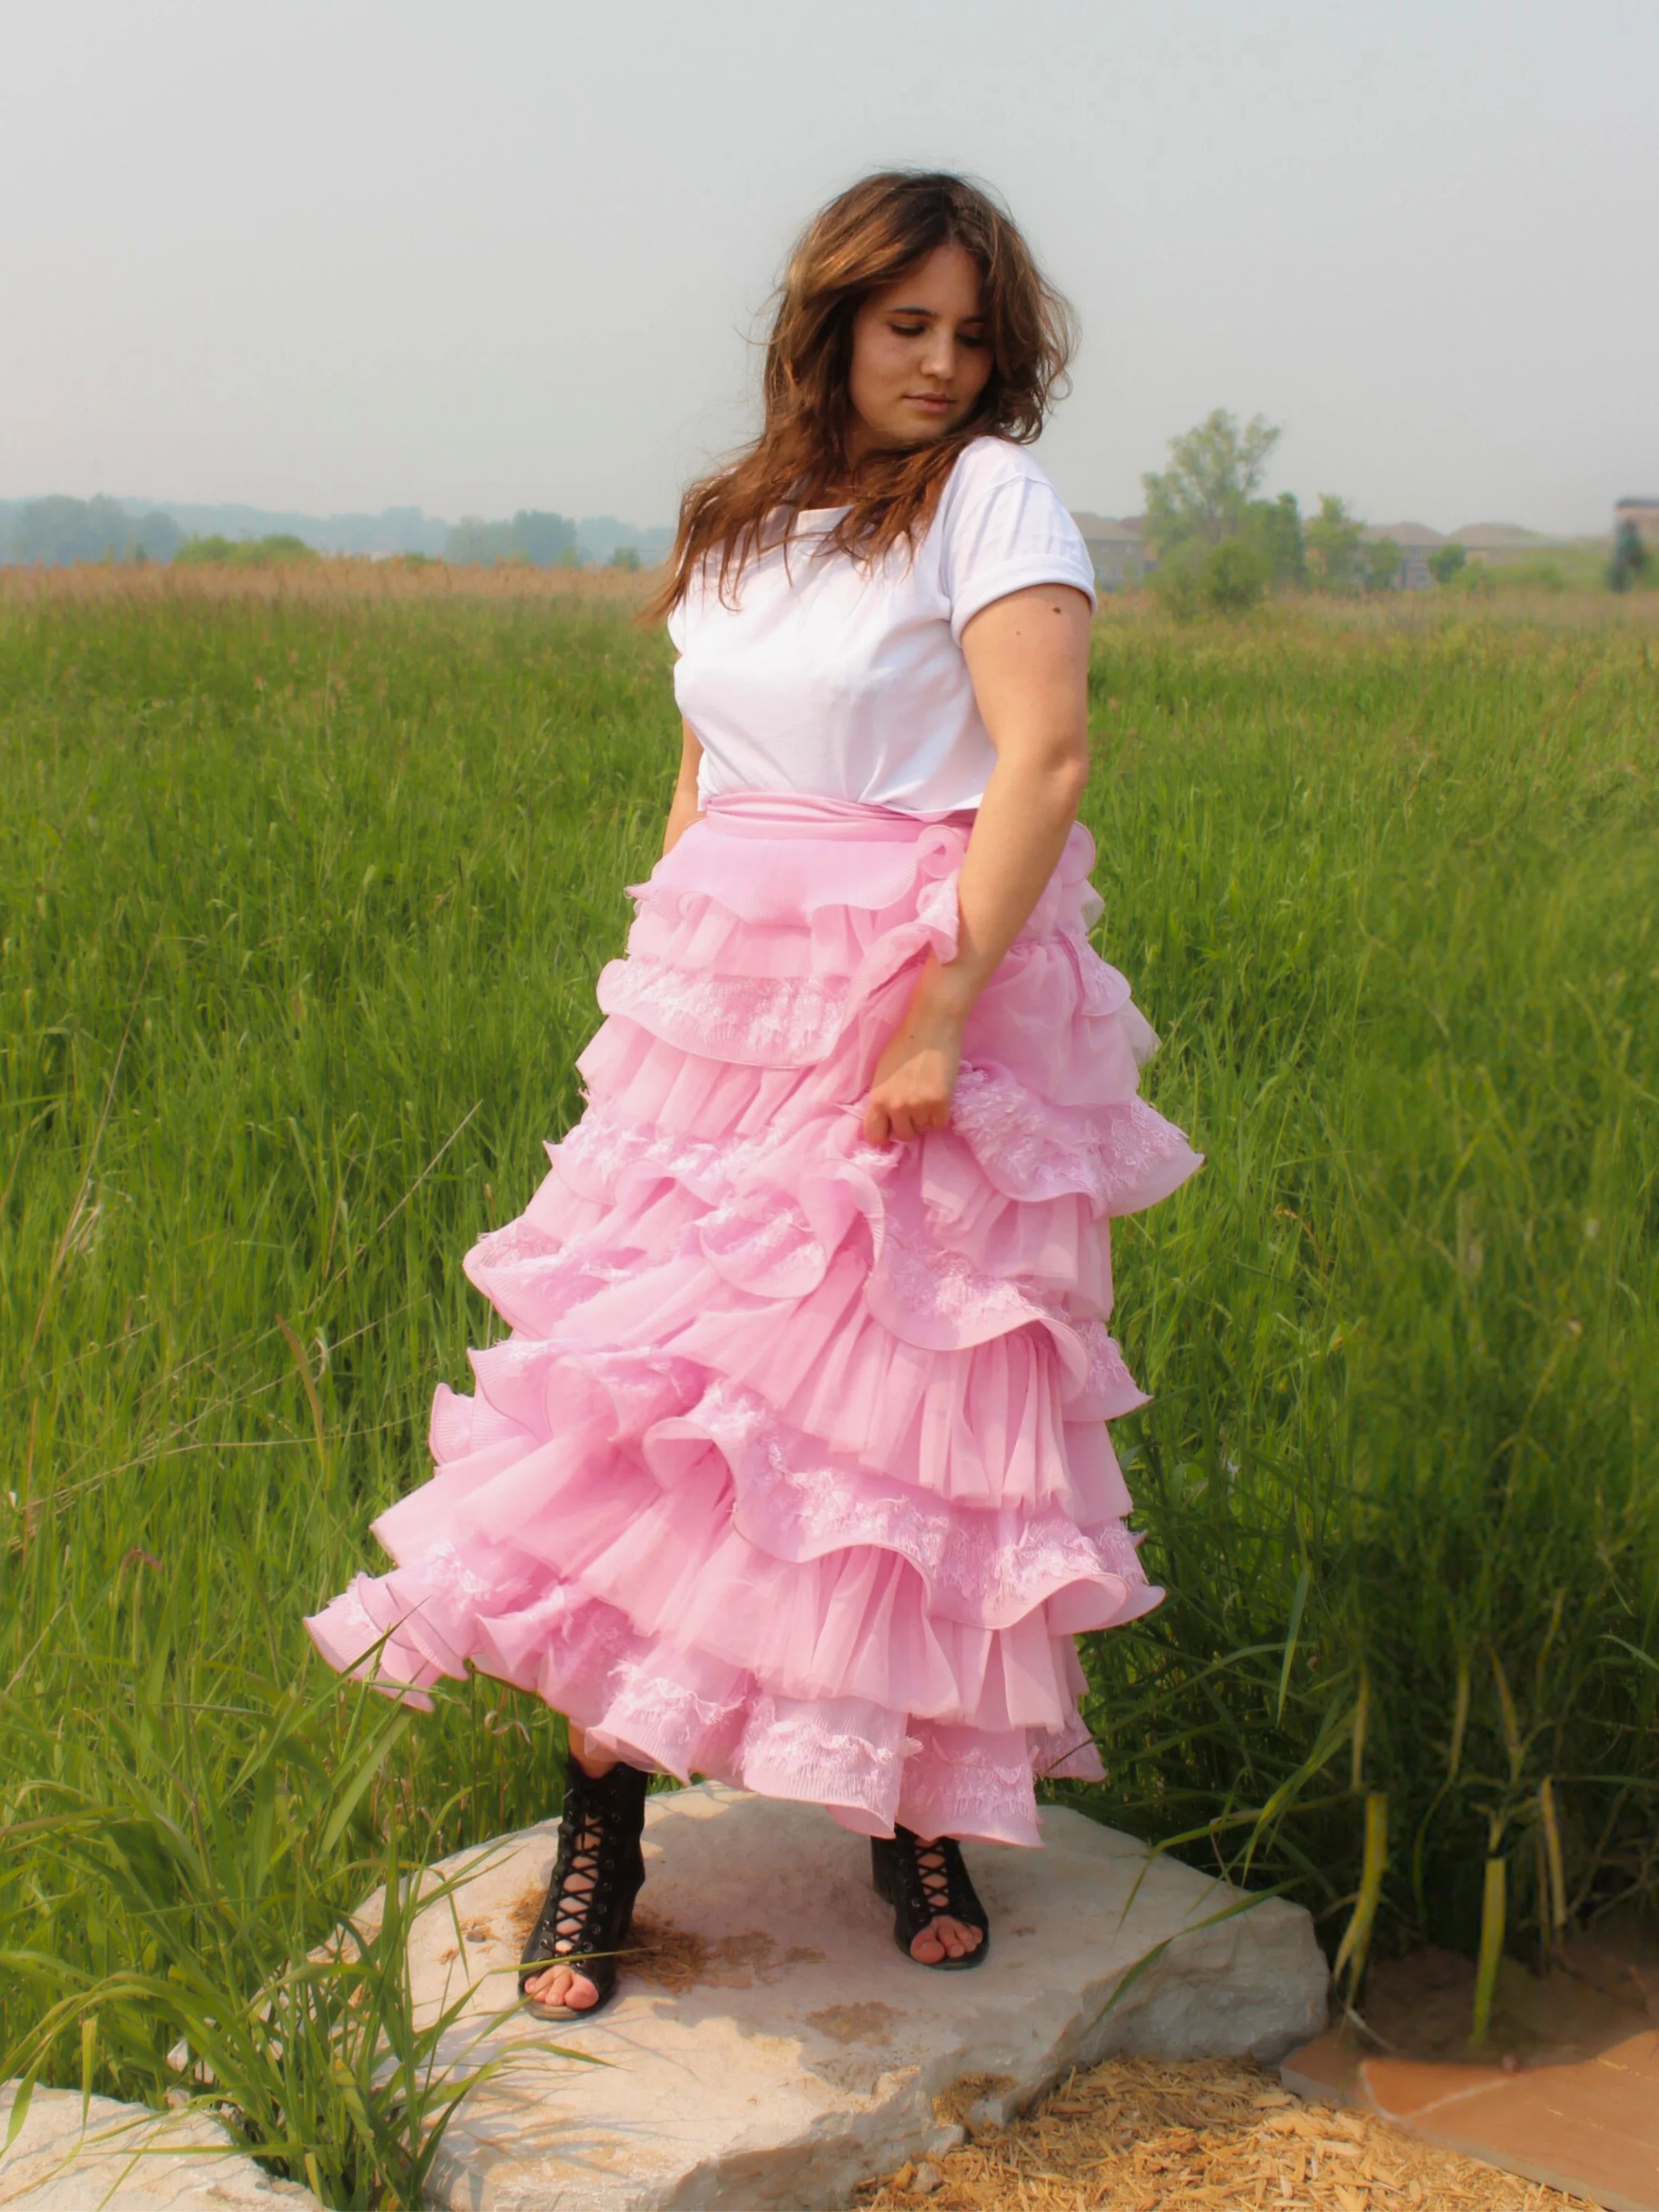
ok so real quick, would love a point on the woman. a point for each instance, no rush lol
(794, 1470)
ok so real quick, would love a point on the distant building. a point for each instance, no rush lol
(1416, 541)
(1118, 550)
(1502, 541)
(1644, 514)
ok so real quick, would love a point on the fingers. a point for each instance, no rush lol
(883, 1123)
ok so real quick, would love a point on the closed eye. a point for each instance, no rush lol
(916, 330)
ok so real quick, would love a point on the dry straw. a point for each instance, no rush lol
(1136, 2136)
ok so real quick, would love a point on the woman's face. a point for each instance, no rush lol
(921, 354)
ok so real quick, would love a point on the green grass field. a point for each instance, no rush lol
(301, 899)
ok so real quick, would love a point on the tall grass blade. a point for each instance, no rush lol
(303, 1365)
(1349, 1969)
(1362, 1714)
(1459, 1722)
(1293, 1630)
(1493, 1897)
(1555, 1861)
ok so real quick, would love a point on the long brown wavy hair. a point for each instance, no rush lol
(866, 238)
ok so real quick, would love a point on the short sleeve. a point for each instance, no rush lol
(676, 625)
(1003, 528)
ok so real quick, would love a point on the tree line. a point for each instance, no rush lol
(56, 531)
(1220, 544)
(553, 541)
(1218, 541)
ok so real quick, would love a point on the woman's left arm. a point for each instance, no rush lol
(684, 808)
(1028, 655)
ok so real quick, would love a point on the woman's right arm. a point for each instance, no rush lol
(684, 810)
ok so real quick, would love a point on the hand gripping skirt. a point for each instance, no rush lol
(793, 1468)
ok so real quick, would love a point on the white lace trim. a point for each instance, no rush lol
(761, 1230)
(774, 1021)
(930, 1279)
(851, 1752)
(993, 1565)
(967, 1789)
(605, 1144)
(1109, 1388)
(1028, 1150)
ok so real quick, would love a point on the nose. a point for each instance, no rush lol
(938, 354)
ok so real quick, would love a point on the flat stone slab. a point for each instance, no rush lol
(1590, 2127)
(770, 2046)
(126, 2156)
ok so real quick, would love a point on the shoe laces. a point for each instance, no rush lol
(580, 1886)
(933, 1865)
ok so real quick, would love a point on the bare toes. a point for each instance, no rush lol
(943, 1939)
(559, 1985)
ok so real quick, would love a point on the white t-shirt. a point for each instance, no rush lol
(849, 681)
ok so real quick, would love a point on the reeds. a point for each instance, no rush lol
(342, 580)
(1396, 899)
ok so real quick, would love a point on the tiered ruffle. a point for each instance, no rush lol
(793, 1469)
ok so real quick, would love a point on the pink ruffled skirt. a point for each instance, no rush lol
(793, 1468)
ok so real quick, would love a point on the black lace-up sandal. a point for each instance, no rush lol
(596, 1878)
(925, 1882)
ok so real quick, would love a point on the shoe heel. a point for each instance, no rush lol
(882, 1872)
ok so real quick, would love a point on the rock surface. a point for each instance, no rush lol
(770, 2046)
(128, 2157)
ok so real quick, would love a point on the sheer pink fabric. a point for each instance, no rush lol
(793, 1469)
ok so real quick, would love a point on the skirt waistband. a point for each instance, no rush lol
(812, 814)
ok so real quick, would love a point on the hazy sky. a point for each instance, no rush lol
(345, 253)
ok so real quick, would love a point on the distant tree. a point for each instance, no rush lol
(544, 538)
(1541, 574)
(1174, 581)
(1382, 561)
(1446, 561)
(271, 551)
(1236, 576)
(547, 540)
(54, 531)
(1273, 527)
(202, 552)
(1228, 578)
(1333, 541)
(1630, 557)
(467, 542)
(154, 537)
(1214, 472)
(625, 556)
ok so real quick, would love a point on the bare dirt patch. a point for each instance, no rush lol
(673, 1959)
(1603, 1989)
